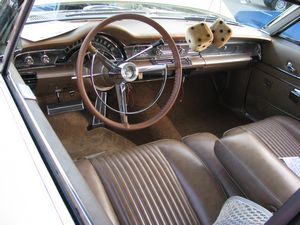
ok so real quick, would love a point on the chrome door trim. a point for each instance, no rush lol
(287, 18)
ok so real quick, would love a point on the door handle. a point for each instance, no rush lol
(290, 67)
(295, 95)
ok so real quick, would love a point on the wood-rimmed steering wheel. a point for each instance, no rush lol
(127, 72)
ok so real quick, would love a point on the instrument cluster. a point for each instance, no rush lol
(54, 57)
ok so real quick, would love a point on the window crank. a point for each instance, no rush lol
(291, 67)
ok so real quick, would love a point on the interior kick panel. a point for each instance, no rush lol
(269, 93)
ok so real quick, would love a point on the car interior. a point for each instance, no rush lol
(168, 134)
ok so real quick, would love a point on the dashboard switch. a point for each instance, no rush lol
(45, 59)
(182, 51)
(29, 60)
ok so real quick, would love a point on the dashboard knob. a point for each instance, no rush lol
(45, 59)
(29, 60)
(157, 51)
(181, 51)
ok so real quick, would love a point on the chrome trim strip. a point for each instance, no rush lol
(284, 20)
(25, 153)
(234, 47)
(283, 15)
(64, 178)
(30, 69)
(297, 76)
(195, 62)
(26, 92)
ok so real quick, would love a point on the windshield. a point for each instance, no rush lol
(254, 13)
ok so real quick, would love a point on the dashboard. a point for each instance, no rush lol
(117, 51)
(57, 56)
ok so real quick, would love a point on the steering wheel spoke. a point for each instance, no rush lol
(153, 68)
(74, 77)
(153, 45)
(111, 66)
(122, 101)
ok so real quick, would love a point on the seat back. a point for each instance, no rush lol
(257, 171)
(159, 183)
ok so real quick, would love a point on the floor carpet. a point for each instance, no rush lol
(199, 111)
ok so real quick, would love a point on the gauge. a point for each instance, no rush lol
(108, 47)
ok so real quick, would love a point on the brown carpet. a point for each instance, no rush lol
(200, 111)
(71, 128)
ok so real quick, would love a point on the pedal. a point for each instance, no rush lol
(101, 107)
(63, 107)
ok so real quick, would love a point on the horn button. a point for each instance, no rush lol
(129, 71)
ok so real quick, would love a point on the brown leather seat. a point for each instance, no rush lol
(259, 174)
(166, 182)
(203, 146)
(163, 182)
(279, 134)
(251, 156)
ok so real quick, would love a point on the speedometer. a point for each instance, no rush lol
(113, 50)
(110, 48)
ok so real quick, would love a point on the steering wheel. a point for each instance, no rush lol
(120, 73)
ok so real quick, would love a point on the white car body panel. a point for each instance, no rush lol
(28, 194)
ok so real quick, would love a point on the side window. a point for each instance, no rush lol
(292, 33)
(8, 13)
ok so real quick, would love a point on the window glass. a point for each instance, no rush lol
(8, 12)
(292, 33)
(254, 13)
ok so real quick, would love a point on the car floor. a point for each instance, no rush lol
(200, 111)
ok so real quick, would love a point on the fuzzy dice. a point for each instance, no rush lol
(222, 33)
(199, 37)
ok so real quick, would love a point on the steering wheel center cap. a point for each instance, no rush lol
(129, 71)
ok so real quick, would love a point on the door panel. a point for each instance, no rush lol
(271, 81)
(279, 52)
